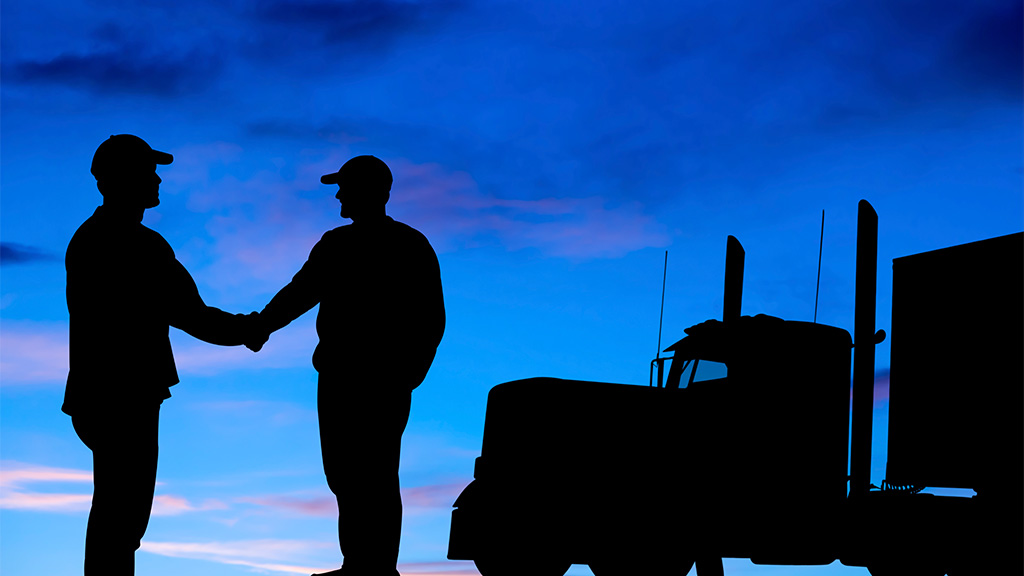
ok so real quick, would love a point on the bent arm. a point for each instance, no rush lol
(190, 314)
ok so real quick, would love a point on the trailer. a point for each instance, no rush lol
(749, 448)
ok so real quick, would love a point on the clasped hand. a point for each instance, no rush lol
(256, 333)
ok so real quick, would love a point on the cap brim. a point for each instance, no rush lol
(332, 178)
(162, 157)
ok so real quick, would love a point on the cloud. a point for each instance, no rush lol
(13, 253)
(353, 20)
(163, 505)
(447, 568)
(326, 506)
(988, 51)
(283, 556)
(266, 554)
(751, 99)
(38, 352)
(882, 386)
(414, 499)
(453, 211)
(362, 28)
(432, 496)
(123, 69)
(168, 505)
(16, 478)
(261, 226)
(41, 502)
(14, 474)
(33, 352)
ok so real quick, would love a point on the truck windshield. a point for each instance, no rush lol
(705, 370)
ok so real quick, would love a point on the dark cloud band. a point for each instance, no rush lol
(12, 253)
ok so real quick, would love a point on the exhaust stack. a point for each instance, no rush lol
(864, 350)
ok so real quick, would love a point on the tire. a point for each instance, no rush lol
(710, 567)
(521, 567)
(904, 569)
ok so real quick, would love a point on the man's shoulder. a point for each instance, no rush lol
(337, 234)
(357, 234)
(333, 240)
(408, 231)
(98, 232)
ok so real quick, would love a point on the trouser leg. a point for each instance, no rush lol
(124, 448)
(361, 438)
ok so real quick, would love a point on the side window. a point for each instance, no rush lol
(705, 370)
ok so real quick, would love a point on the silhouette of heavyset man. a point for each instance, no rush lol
(125, 288)
(381, 319)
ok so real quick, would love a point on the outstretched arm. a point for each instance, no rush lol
(292, 301)
(296, 298)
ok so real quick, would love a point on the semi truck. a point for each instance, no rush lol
(757, 444)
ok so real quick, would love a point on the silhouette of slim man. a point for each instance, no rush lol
(381, 319)
(124, 289)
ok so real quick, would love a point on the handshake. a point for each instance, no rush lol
(255, 333)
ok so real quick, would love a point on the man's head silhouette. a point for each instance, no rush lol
(125, 169)
(364, 187)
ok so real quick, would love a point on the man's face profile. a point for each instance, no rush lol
(148, 188)
(342, 198)
(355, 199)
(138, 187)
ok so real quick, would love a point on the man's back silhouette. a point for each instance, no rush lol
(381, 319)
(125, 289)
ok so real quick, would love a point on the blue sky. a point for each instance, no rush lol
(551, 152)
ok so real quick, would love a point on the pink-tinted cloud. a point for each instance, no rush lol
(16, 477)
(446, 568)
(325, 506)
(262, 227)
(416, 498)
(451, 209)
(286, 556)
(432, 496)
(41, 502)
(881, 391)
(193, 164)
(15, 474)
(33, 352)
(17, 482)
(882, 386)
(168, 505)
(266, 554)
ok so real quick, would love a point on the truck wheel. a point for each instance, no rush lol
(521, 566)
(900, 569)
(631, 566)
(710, 567)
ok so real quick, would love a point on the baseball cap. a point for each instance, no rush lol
(125, 153)
(367, 171)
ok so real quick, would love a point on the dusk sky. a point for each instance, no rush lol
(551, 152)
